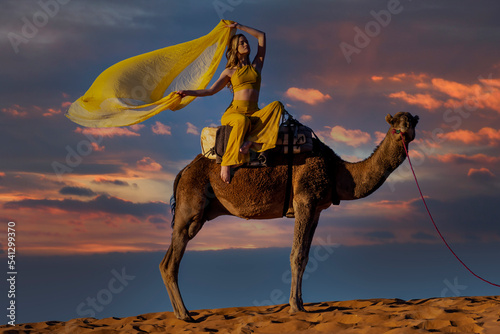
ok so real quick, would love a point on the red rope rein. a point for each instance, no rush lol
(435, 226)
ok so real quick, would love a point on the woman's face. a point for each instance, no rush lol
(243, 47)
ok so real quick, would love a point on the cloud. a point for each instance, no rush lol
(380, 235)
(15, 111)
(161, 129)
(109, 132)
(51, 112)
(307, 95)
(306, 118)
(78, 191)
(102, 203)
(149, 165)
(2, 175)
(441, 92)
(485, 135)
(192, 129)
(352, 138)
(423, 100)
(481, 174)
(379, 136)
(102, 180)
(462, 158)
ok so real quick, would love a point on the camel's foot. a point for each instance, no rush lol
(296, 308)
(185, 317)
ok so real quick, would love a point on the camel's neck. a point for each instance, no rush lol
(360, 179)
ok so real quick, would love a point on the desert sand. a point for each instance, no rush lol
(371, 316)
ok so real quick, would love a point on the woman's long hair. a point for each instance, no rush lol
(232, 55)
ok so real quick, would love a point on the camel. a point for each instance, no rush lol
(320, 178)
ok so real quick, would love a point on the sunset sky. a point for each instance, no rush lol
(338, 66)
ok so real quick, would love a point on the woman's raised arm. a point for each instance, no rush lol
(261, 38)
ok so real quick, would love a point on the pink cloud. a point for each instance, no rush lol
(307, 95)
(306, 118)
(16, 111)
(442, 92)
(462, 158)
(379, 136)
(97, 148)
(485, 135)
(423, 100)
(192, 129)
(107, 132)
(481, 174)
(149, 165)
(161, 129)
(352, 138)
(65, 104)
(51, 112)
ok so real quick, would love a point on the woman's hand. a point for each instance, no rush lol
(232, 25)
(182, 93)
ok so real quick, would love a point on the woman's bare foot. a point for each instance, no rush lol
(225, 173)
(245, 147)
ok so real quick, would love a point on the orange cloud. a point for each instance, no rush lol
(377, 78)
(481, 174)
(161, 129)
(97, 148)
(192, 129)
(306, 118)
(379, 136)
(107, 132)
(16, 111)
(484, 94)
(352, 138)
(462, 158)
(51, 112)
(485, 135)
(423, 100)
(307, 95)
(149, 165)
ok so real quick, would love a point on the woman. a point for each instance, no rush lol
(252, 128)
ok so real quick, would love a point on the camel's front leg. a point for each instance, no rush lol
(306, 220)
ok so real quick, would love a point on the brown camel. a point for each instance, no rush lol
(320, 178)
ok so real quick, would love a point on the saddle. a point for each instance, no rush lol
(214, 142)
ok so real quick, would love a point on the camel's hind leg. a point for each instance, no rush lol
(306, 220)
(188, 221)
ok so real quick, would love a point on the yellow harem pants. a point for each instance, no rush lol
(250, 124)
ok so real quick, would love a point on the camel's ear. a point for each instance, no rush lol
(389, 119)
(415, 120)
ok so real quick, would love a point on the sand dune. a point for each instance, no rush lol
(372, 316)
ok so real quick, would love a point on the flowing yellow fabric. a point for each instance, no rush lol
(137, 88)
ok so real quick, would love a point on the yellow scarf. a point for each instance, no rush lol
(137, 88)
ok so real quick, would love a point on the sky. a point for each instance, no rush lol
(82, 197)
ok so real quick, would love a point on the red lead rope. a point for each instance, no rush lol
(435, 226)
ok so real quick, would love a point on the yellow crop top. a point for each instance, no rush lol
(245, 77)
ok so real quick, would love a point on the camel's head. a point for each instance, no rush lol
(402, 122)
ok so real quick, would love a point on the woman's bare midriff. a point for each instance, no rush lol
(246, 95)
